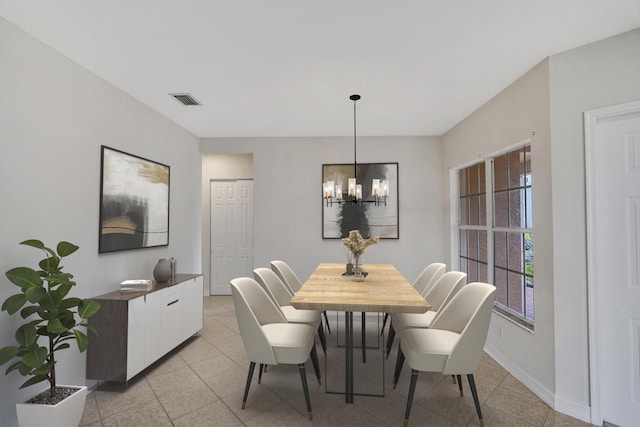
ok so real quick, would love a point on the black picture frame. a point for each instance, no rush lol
(367, 217)
(134, 202)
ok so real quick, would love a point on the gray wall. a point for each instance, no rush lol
(287, 176)
(518, 113)
(54, 115)
(593, 76)
(550, 100)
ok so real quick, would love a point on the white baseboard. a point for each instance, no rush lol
(572, 409)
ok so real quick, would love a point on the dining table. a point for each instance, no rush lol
(384, 290)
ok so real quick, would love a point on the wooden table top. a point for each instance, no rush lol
(383, 290)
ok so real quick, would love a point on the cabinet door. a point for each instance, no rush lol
(172, 317)
(194, 310)
(153, 330)
(136, 361)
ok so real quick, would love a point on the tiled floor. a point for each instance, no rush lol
(201, 384)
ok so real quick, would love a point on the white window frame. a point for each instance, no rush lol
(489, 228)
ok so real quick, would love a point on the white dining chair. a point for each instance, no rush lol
(453, 344)
(425, 280)
(281, 296)
(291, 280)
(267, 336)
(437, 296)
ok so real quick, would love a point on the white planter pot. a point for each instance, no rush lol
(66, 413)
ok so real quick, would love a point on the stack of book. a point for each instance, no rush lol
(137, 285)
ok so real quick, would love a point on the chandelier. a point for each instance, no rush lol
(333, 192)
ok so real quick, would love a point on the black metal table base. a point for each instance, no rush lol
(349, 349)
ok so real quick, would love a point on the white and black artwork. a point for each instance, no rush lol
(134, 202)
(370, 218)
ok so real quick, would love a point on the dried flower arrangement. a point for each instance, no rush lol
(356, 244)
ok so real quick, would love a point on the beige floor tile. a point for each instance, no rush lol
(213, 366)
(202, 384)
(179, 380)
(353, 416)
(556, 419)
(511, 383)
(494, 418)
(214, 415)
(91, 414)
(260, 400)
(198, 349)
(149, 415)
(229, 382)
(167, 364)
(530, 410)
(183, 402)
(280, 415)
(112, 399)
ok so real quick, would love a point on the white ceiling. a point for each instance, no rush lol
(287, 67)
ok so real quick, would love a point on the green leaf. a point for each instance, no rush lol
(24, 370)
(14, 303)
(35, 293)
(55, 326)
(28, 311)
(49, 264)
(69, 302)
(65, 248)
(62, 347)
(34, 380)
(81, 339)
(7, 353)
(24, 277)
(90, 328)
(33, 242)
(63, 290)
(60, 278)
(50, 301)
(88, 308)
(26, 335)
(13, 367)
(34, 359)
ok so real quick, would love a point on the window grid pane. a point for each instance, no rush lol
(513, 250)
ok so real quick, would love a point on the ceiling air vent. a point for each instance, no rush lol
(185, 98)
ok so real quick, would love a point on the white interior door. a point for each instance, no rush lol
(613, 171)
(231, 233)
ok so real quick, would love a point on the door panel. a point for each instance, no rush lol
(231, 233)
(616, 225)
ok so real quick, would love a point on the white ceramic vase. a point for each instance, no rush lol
(66, 413)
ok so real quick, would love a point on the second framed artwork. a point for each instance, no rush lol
(134, 202)
(370, 219)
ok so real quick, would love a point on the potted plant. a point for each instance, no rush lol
(50, 313)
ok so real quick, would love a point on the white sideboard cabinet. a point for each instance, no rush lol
(137, 328)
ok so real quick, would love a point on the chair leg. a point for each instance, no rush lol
(303, 376)
(316, 365)
(412, 389)
(260, 373)
(399, 364)
(252, 366)
(384, 322)
(453, 378)
(474, 393)
(364, 338)
(323, 340)
(326, 321)
(392, 335)
(460, 385)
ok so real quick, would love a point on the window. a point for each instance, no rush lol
(472, 222)
(500, 252)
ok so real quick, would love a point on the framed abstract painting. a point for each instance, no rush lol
(370, 218)
(134, 202)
